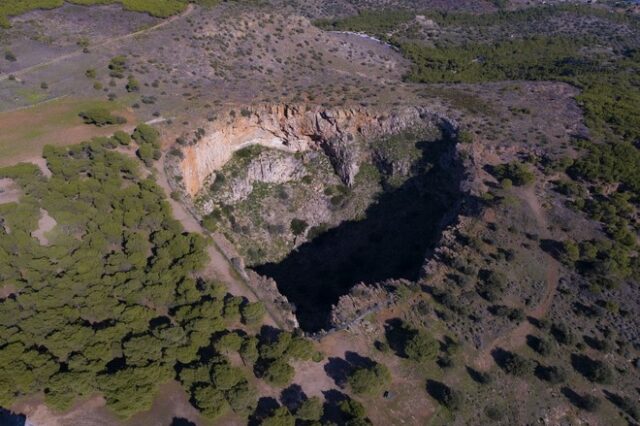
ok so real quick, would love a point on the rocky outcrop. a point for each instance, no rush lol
(267, 291)
(337, 132)
(268, 167)
(362, 300)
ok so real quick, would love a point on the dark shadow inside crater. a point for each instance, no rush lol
(391, 242)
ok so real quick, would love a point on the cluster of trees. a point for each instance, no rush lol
(11, 8)
(534, 58)
(148, 140)
(369, 379)
(519, 17)
(88, 313)
(602, 261)
(376, 22)
(217, 386)
(274, 352)
(609, 163)
(611, 170)
(111, 304)
(594, 370)
(415, 344)
(117, 66)
(311, 411)
(101, 116)
(382, 22)
(516, 173)
(157, 8)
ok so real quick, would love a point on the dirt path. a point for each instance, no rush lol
(104, 43)
(516, 337)
(45, 224)
(219, 267)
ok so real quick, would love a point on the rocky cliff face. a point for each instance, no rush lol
(293, 129)
(268, 167)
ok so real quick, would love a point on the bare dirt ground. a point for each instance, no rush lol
(42, 165)
(45, 224)
(26, 131)
(65, 26)
(7, 290)
(172, 402)
(203, 58)
(101, 44)
(516, 337)
(90, 412)
(9, 191)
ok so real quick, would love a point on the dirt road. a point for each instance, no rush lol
(219, 267)
(104, 43)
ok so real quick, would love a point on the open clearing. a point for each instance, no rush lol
(26, 131)
(9, 192)
(45, 225)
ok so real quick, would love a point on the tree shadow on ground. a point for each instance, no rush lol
(501, 357)
(177, 421)
(339, 369)
(292, 397)
(478, 376)
(573, 397)
(9, 418)
(397, 335)
(437, 390)
(264, 408)
(552, 247)
(332, 412)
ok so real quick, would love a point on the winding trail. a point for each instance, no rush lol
(219, 266)
(163, 23)
(517, 336)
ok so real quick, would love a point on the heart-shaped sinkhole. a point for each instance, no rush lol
(293, 218)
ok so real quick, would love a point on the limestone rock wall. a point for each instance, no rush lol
(294, 128)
